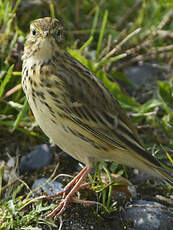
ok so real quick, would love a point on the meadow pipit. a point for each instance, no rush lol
(75, 110)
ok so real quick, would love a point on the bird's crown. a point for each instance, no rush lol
(46, 27)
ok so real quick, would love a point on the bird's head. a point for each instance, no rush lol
(46, 35)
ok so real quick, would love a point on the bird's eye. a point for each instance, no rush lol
(59, 33)
(34, 32)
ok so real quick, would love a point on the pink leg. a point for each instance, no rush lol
(68, 186)
(67, 195)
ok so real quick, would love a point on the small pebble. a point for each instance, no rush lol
(50, 188)
(38, 158)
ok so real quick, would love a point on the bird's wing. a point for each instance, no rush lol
(91, 106)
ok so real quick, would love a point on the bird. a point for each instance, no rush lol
(76, 111)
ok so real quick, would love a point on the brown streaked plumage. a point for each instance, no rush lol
(75, 110)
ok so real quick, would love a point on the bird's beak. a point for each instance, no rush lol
(46, 33)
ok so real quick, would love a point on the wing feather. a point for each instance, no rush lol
(90, 105)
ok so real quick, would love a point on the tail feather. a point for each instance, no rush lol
(154, 167)
(156, 170)
(145, 162)
(161, 173)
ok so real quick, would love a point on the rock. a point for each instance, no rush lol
(145, 73)
(50, 188)
(148, 215)
(38, 158)
(144, 79)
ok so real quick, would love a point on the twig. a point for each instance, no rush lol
(166, 19)
(118, 46)
(131, 12)
(94, 9)
(164, 34)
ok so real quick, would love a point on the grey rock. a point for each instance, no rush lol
(147, 73)
(49, 188)
(148, 215)
(38, 158)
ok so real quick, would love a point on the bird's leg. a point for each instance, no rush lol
(67, 194)
(69, 185)
(74, 180)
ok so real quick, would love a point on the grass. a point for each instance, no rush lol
(106, 36)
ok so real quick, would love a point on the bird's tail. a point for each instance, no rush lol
(155, 169)
(142, 160)
(162, 174)
(152, 166)
(147, 163)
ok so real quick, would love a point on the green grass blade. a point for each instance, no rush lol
(110, 187)
(101, 34)
(96, 16)
(110, 60)
(52, 10)
(87, 43)
(169, 157)
(16, 6)
(20, 115)
(6, 80)
(2, 164)
(13, 42)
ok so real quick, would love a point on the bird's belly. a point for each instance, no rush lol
(74, 142)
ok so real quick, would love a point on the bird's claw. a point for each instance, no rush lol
(58, 211)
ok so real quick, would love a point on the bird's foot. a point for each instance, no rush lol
(68, 192)
(58, 211)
